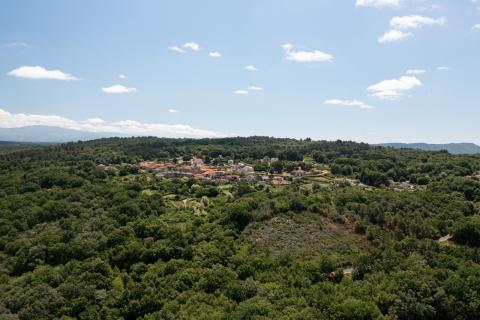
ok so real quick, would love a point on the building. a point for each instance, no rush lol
(298, 173)
(198, 162)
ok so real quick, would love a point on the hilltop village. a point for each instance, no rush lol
(221, 173)
(267, 171)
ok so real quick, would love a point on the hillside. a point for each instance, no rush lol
(237, 228)
(453, 148)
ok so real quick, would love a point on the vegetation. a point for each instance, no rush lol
(82, 241)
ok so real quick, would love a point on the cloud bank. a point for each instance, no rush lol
(126, 127)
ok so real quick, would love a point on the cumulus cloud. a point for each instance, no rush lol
(255, 88)
(172, 110)
(215, 54)
(38, 73)
(128, 127)
(348, 103)
(122, 76)
(393, 35)
(305, 56)
(476, 27)
(176, 49)
(443, 68)
(416, 71)
(118, 88)
(415, 22)
(251, 67)
(392, 89)
(241, 92)
(378, 3)
(192, 46)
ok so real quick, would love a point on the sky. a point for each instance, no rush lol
(363, 70)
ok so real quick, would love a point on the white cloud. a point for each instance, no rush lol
(251, 68)
(443, 68)
(215, 54)
(415, 21)
(241, 92)
(192, 46)
(172, 110)
(37, 72)
(347, 103)
(128, 127)
(393, 35)
(305, 56)
(378, 3)
(118, 88)
(255, 88)
(476, 27)
(176, 49)
(392, 89)
(122, 76)
(15, 44)
(416, 71)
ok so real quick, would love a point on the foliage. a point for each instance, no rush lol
(83, 241)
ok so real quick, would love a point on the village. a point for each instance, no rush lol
(224, 173)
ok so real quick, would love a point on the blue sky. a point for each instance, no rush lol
(363, 70)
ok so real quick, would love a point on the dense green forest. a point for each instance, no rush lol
(78, 241)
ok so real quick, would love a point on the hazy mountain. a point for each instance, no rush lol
(454, 148)
(46, 134)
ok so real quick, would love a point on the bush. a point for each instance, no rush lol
(467, 231)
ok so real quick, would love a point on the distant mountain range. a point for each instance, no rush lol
(453, 148)
(47, 134)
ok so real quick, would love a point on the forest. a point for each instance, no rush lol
(86, 234)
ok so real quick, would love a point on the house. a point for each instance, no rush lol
(146, 165)
(298, 173)
(279, 180)
(231, 162)
(198, 162)
(247, 169)
(406, 185)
